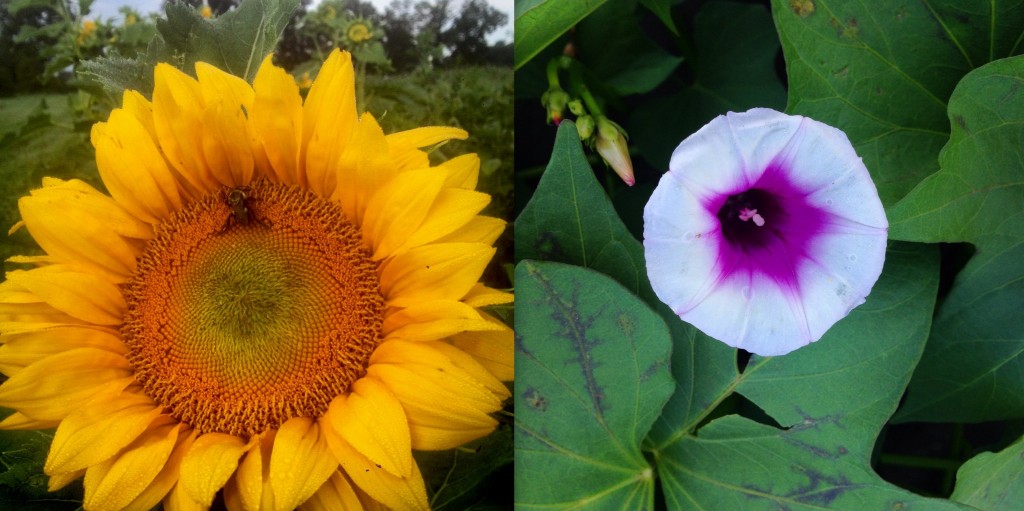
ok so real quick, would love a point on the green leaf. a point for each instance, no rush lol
(663, 10)
(236, 42)
(741, 35)
(614, 47)
(591, 377)
(23, 486)
(462, 477)
(539, 22)
(870, 69)
(971, 370)
(831, 399)
(992, 481)
(570, 219)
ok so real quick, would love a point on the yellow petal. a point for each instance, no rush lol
(165, 481)
(210, 462)
(277, 119)
(85, 296)
(467, 363)
(55, 386)
(300, 462)
(253, 477)
(493, 350)
(385, 487)
(178, 120)
(463, 171)
(435, 393)
(435, 319)
(372, 421)
(481, 229)
(22, 349)
(482, 296)
(398, 209)
(425, 136)
(329, 119)
(116, 482)
(77, 224)
(133, 169)
(215, 84)
(452, 209)
(433, 272)
(336, 493)
(227, 143)
(178, 500)
(58, 481)
(97, 431)
(141, 109)
(405, 153)
(227, 146)
(364, 167)
(18, 421)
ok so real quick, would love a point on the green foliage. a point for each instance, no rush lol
(539, 22)
(22, 483)
(972, 369)
(992, 481)
(594, 360)
(929, 94)
(236, 42)
(849, 64)
(37, 140)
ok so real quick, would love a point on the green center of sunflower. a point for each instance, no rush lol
(252, 306)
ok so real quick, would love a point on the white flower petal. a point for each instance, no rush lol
(765, 231)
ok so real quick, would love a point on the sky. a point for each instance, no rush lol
(107, 9)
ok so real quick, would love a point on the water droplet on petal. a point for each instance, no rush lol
(852, 258)
(745, 292)
(828, 202)
(688, 237)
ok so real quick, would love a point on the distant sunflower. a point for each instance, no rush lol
(276, 300)
(359, 31)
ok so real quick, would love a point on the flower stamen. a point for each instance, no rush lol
(747, 214)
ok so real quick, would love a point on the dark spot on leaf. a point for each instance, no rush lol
(802, 8)
(626, 324)
(842, 451)
(848, 30)
(841, 72)
(899, 505)
(820, 489)
(535, 400)
(879, 91)
(548, 247)
(959, 120)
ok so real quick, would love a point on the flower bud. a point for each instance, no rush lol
(554, 100)
(585, 126)
(611, 145)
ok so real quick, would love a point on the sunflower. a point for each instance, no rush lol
(277, 302)
(359, 31)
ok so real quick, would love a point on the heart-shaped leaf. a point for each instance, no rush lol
(591, 377)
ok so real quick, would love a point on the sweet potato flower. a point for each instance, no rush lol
(765, 231)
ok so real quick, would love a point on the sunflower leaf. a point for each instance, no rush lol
(235, 42)
(831, 400)
(971, 369)
(869, 69)
(592, 372)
